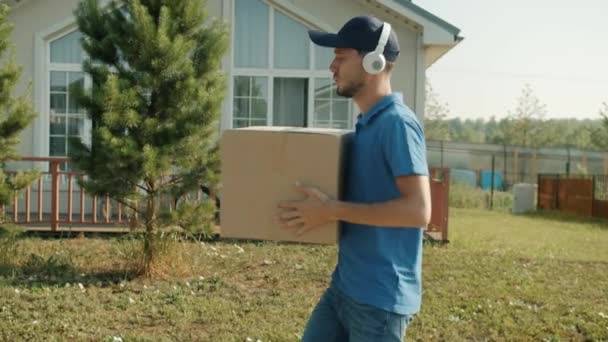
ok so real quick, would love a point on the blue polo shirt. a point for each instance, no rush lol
(381, 266)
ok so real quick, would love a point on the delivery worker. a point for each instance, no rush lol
(375, 288)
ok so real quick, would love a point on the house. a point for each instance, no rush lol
(276, 75)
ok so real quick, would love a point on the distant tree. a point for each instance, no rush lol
(599, 135)
(492, 131)
(15, 115)
(435, 115)
(468, 130)
(525, 122)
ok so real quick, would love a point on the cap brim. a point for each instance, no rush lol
(327, 39)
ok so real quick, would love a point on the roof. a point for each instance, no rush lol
(429, 16)
(438, 36)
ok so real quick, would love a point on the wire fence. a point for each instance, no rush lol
(501, 166)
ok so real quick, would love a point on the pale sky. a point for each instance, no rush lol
(559, 47)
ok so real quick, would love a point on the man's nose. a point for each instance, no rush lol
(333, 67)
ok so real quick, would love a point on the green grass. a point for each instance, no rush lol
(501, 278)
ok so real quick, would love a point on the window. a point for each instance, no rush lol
(250, 101)
(280, 77)
(291, 45)
(67, 121)
(251, 43)
(290, 101)
(331, 111)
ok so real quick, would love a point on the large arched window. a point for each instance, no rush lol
(67, 120)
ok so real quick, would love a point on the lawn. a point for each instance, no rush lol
(501, 278)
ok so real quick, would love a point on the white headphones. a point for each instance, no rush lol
(374, 61)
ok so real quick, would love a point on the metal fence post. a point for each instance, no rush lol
(593, 213)
(492, 183)
(54, 195)
(568, 162)
(441, 145)
(538, 189)
(556, 192)
(504, 167)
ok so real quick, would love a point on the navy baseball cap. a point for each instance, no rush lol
(360, 33)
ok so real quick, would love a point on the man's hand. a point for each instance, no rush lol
(304, 215)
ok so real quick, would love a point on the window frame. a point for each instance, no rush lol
(46, 105)
(312, 73)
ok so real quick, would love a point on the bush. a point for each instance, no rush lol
(9, 243)
(467, 197)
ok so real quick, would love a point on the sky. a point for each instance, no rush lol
(558, 47)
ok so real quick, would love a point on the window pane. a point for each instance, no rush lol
(238, 123)
(76, 126)
(323, 88)
(57, 125)
(71, 141)
(76, 80)
(258, 109)
(340, 125)
(251, 34)
(258, 122)
(67, 49)
(323, 124)
(57, 146)
(58, 81)
(259, 87)
(322, 110)
(323, 57)
(340, 110)
(241, 85)
(77, 77)
(58, 102)
(73, 107)
(241, 108)
(290, 99)
(291, 43)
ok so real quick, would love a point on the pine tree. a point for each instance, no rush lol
(15, 115)
(154, 103)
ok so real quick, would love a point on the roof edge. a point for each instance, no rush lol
(429, 16)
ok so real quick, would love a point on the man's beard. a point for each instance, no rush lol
(350, 89)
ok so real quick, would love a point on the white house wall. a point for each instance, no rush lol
(37, 19)
(28, 19)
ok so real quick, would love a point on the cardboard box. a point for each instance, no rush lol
(260, 166)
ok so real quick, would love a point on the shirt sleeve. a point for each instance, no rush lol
(404, 147)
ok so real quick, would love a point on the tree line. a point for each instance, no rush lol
(526, 125)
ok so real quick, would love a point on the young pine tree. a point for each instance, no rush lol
(15, 115)
(157, 88)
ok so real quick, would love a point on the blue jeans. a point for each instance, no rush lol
(338, 318)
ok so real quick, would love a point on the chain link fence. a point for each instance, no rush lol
(476, 163)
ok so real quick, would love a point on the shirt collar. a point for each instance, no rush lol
(365, 118)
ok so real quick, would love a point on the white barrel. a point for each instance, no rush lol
(524, 196)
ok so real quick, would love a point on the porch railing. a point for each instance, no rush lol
(56, 200)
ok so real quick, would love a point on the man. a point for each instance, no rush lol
(376, 285)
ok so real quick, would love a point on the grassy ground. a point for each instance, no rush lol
(501, 278)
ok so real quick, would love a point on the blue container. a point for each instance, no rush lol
(486, 180)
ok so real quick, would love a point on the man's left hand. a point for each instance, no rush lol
(306, 214)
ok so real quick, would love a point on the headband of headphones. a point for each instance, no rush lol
(386, 31)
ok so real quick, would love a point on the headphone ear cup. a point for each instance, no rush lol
(374, 63)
